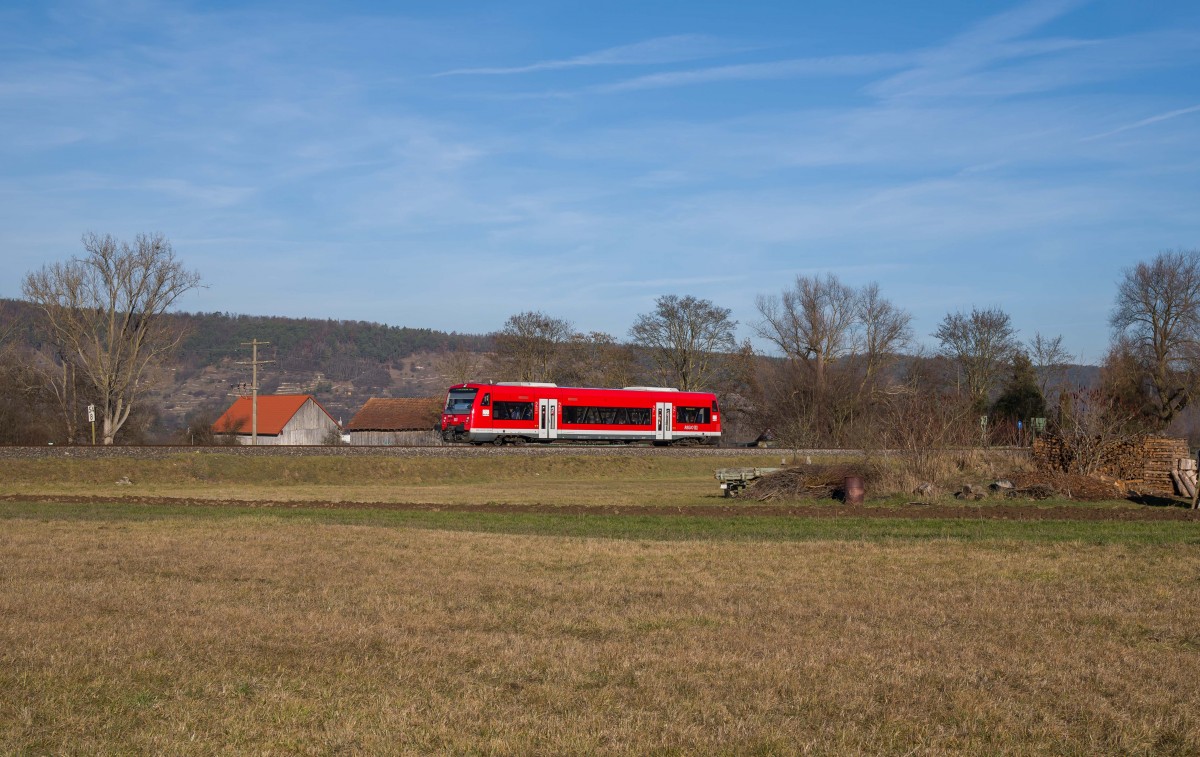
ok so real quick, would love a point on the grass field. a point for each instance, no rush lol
(199, 630)
(509, 479)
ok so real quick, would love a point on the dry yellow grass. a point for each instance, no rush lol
(267, 636)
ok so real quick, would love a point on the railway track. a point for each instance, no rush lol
(149, 452)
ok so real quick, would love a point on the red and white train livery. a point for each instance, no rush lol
(522, 412)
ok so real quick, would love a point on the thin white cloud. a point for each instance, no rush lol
(1017, 22)
(1145, 122)
(1012, 70)
(837, 65)
(671, 49)
(994, 40)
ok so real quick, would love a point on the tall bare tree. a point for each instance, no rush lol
(529, 346)
(812, 322)
(1157, 318)
(687, 338)
(982, 343)
(1050, 359)
(103, 314)
(884, 331)
(838, 342)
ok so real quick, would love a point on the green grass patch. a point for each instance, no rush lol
(646, 527)
(215, 468)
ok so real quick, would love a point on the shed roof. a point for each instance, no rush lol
(274, 412)
(397, 414)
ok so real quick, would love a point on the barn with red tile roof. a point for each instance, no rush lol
(282, 419)
(405, 420)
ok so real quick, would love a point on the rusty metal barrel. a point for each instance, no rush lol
(854, 490)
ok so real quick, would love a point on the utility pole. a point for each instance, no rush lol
(254, 363)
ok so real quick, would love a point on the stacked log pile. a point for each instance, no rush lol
(1162, 462)
(1146, 463)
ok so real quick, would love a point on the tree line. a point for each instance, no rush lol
(843, 367)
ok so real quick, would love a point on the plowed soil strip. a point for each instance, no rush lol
(912, 511)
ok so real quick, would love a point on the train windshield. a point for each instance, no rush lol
(460, 400)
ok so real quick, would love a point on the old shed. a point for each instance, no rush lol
(405, 420)
(282, 419)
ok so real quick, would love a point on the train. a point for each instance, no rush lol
(523, 412)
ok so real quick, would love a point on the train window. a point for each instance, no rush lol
(607, 416)
(460, 400)
(692, 415)
(513, 411)
(487, 400)
(715, 406)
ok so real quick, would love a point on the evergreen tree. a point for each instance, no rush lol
(1020, 397)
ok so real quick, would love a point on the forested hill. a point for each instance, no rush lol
(310, 344)
(299, 344)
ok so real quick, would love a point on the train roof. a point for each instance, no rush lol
(547, 385)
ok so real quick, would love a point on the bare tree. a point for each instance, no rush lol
(884, 331)
(52, 375)
(597, 359)
(811, 322)
(840, 342)
(982, 343)
(462, 365)
(1157, 315)
(529, 346)
(103, 313)
(927, 428)
(25, 412)
(687, 338)
(1050, 359)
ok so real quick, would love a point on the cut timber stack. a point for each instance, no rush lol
(1161, 461)
(1147, 463)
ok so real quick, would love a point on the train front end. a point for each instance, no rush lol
(456, 417)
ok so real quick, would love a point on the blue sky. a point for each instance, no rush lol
(446, 165)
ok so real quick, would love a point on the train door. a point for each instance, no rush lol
(664, 425)
(547, 419)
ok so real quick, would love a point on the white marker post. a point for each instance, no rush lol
(92, 420)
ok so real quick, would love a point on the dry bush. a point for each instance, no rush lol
(1093, 426)
(930, 440)
(943, 470)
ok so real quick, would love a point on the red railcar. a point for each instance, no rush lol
(521, 412)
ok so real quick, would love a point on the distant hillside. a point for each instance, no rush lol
(343, 363)
(338, 349)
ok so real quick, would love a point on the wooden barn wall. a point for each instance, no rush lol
(393, 438)
(310, 425)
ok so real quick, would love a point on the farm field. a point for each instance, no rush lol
(199, 626)
(498, 478)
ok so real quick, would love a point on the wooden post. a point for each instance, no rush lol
(254, 363)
